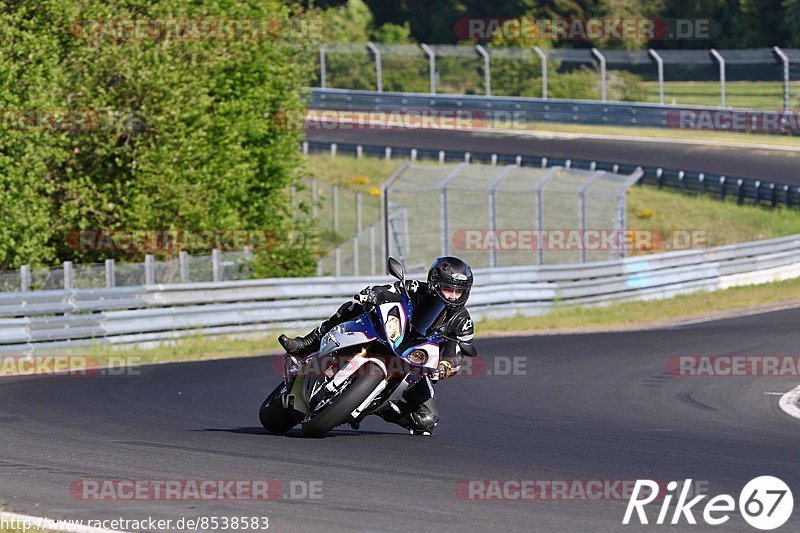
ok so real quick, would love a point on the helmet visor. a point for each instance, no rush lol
(452, 293)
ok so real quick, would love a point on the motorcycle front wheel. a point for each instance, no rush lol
(274, 416)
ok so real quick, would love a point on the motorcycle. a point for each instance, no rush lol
(358, 367)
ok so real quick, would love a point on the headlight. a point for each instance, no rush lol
(392, 328)
(418, 357)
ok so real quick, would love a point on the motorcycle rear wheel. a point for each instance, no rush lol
(338, 411)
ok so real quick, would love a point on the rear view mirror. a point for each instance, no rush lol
(395, 268)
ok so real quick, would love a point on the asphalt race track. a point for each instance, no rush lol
(741, 162)
(587, 407)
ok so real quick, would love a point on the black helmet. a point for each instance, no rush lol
(450, 274)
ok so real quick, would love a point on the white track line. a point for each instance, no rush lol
(788, 402)
(37, 523)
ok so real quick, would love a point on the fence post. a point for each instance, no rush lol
(660, 63)
(721, 61)
(216, 270)
(338, 254)
(333, 149)
(183, 266)
(441, 156)
(372, 250)
(25, 278)
(149, 270)
(359, 225)
(355, 256)
(336, 209)
(67, 266)
(111, 280)
(431, 65)
(543, 58)
(487, 76)
(359, 151)
(785, 60)
(722, 180)
(314, 199)
(305, 147)
(378, 66)
(388, 153)
(322, 72)
(602, 60)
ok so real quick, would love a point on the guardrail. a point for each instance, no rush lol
(761, 192)
(48, 320)
(509, 109)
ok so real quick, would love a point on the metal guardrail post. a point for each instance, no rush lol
(721, 61)
(150, 270)
(582, 209)
(111, 279)
(372, 250)
(355, 256)
(336, 209)
(785, 60)
(385, 207)
(660, 64)
(443, 211)
(183, 266)
(67, 266)
(540, 208)
(493, 209)
(378, 66)
(543, 58)
(314, 199)
(359, 222)
(602, 60)
(431, 65)
(216, 267)
(322, 70)
(487, 73)
(25, 278)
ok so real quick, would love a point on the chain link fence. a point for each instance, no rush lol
(666, 76)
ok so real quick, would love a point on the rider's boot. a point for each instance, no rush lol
(300, 346)
(415, 410)
(310, 343)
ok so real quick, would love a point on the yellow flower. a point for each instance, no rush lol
(644, 213)
(375, 191)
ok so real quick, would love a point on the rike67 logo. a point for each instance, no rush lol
(765, 503)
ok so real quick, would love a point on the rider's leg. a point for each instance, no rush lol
(415, 410)
(310, 343)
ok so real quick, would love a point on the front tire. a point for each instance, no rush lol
(274, 416)
(338, 411)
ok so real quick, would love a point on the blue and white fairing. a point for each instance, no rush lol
(390, 325)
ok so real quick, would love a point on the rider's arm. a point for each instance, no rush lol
(462, 328)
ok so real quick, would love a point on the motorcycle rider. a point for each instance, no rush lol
(437, 303)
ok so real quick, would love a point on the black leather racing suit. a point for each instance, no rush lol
(417, 409)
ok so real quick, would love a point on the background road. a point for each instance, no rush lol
(593, 406)
(741, 162)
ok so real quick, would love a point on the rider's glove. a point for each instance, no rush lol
(444, 370)
(367, 296)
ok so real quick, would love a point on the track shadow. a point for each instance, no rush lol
(296, 432)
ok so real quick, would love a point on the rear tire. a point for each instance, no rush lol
(338, 411)
(274, 416)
